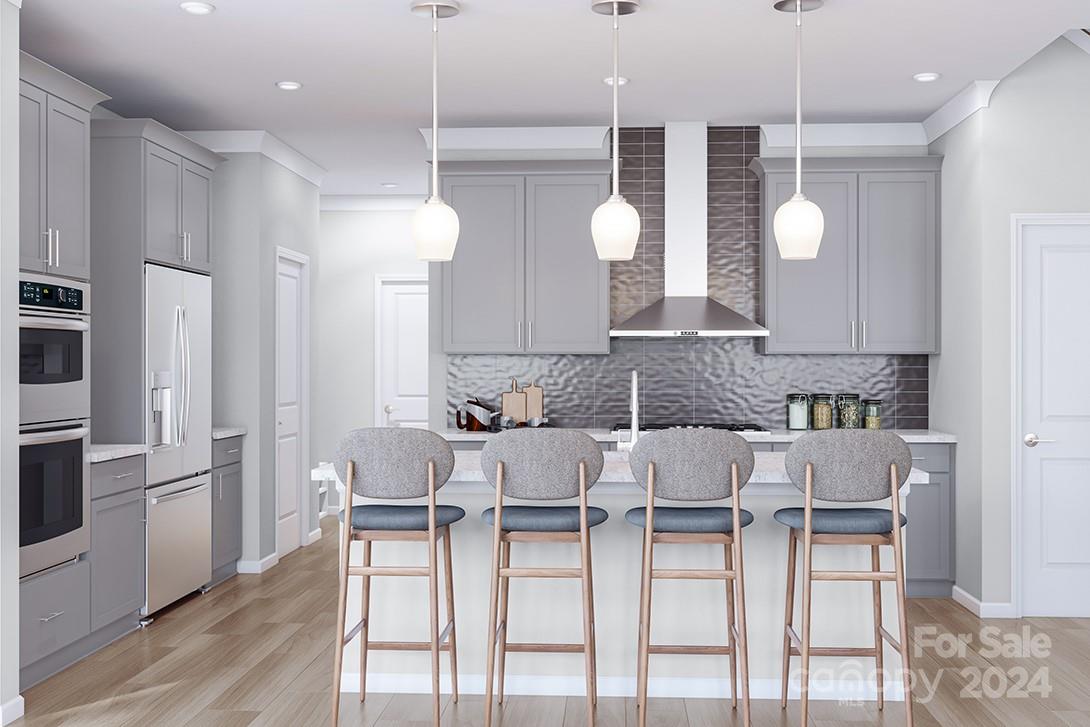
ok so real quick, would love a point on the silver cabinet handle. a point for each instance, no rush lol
(51, 616)
(1032, 440)
(178, 495)
(864, 334)
(853, 334)
(57, 245)
(529, 335)
(236, 450)
(125, 476)
(519, 335)
(48, 235)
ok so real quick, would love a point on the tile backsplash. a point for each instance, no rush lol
(699, 379)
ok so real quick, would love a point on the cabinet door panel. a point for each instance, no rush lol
(162, 205)
(68, 184)
(226, 515)
(567, 286)
(483, 286)
(197, 214)
(33, 109)
(898, 249)
(810, 305)
(928, 545)
(116, 557)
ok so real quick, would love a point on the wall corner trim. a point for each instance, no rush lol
(261, 142)
(257, 566)
(983, 609)
(12, 709)
(1079, 37)
(977, 95)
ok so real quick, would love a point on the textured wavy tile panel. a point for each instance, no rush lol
(692, 380)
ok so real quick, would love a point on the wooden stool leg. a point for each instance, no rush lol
(493, 606)
(505, 587)
(645, 632)
(879, 645)
(743, 636)
(789, 614)
(433, 609)
(342, 594)
(902, 617)
(449, 567)
(728, 564)
(639, 630)
(593, 626)
(807, 585)
(365, 613)
(584, 561)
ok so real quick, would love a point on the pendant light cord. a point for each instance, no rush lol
(616, 115)
(435, 102)
(798, 96)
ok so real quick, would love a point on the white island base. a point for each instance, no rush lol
(683, 612)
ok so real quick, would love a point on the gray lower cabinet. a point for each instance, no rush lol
(54, 610)
(874, 286)
(930, 534)
(226, 505)
(117, 556)
(525, 277)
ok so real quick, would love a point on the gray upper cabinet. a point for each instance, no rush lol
(898, 260)
(54, 170)
(873, 287)
(567, 286)
(152, 194)
(525, 278)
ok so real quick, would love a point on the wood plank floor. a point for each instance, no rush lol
(257, 651)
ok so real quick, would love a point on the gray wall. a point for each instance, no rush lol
(692, 379)
(258, 206)
(9, 342)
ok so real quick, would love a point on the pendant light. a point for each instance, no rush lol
(435, 223)
(615, 225)
(799, 223)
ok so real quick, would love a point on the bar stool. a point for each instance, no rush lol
(694, 465)
(540, 464)
(393, 463)
(846, 465)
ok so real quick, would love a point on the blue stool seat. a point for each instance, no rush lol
(689, 519)
(401, 517)
(841, 521)
(545, 518)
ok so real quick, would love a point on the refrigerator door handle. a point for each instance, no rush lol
(188, 374)
(179, 356)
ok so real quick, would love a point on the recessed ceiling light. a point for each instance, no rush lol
(289, 85)
(927, 76)
(198, 8)
(608, 80)
(389, 185)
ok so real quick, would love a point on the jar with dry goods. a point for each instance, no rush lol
(798, 411)
(822, 411)
(872, 413)
(849, 411)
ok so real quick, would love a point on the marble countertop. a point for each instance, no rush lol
(776, 436)
(107, 452)
(227, 432)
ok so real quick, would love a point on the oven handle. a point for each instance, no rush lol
(53, 437)
(54, 324)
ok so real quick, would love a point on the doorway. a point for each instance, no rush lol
(292, 399)
(1051, 460)
(401, 351)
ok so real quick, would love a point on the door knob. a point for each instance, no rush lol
(1032, 440)
(389, 409)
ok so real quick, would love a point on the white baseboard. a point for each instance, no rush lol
(983, 609)
(681, 687)
(314, 536)
(333, 510)
(12, 710)
(258, 566)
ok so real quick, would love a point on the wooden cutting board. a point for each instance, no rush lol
(513, 403)
(535, 401)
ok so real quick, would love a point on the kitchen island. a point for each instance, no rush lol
(685, 611)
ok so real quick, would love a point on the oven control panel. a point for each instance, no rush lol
(44, 295)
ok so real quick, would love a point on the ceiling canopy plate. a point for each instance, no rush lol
(446, 8)
(624, 7)
(788, 6)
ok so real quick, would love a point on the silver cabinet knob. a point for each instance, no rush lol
(1032, 440)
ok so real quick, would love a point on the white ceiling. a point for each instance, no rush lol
(365, 66)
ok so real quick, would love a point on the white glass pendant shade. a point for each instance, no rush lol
(798, 226)
(615, 228)
(435, 229)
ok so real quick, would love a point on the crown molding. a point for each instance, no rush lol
(260, 142)
(522, 142)
(782, 136)
(52, 80)
(17, 3)
(977, 95)
(370, 202)
(1079, 37)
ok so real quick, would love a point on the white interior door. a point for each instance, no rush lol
(1055, 413)
(401, 370)
(291, 335)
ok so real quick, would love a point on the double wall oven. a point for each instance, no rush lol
(54, 422)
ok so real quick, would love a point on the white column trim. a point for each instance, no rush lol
(261, 142)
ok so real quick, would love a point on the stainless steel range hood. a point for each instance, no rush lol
(687, 310)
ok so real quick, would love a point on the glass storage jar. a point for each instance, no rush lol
(798, 411)
(822, 411)
(872, 413)
(850, 415)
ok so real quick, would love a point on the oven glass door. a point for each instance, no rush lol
(50, 350)
(50, 488)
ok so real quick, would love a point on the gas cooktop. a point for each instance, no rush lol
(729, 426)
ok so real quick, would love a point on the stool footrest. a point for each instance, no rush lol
(689, 649)
(837, 651)
(388, 570)
(404, 646)
(852, 575)
(692, 573)
(540, 572)
(529, 648)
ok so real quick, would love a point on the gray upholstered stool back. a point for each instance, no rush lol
(542, 464)
(692, 464)
(392, 463)
(850, 465)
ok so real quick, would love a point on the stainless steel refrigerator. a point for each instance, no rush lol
(178, 430)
